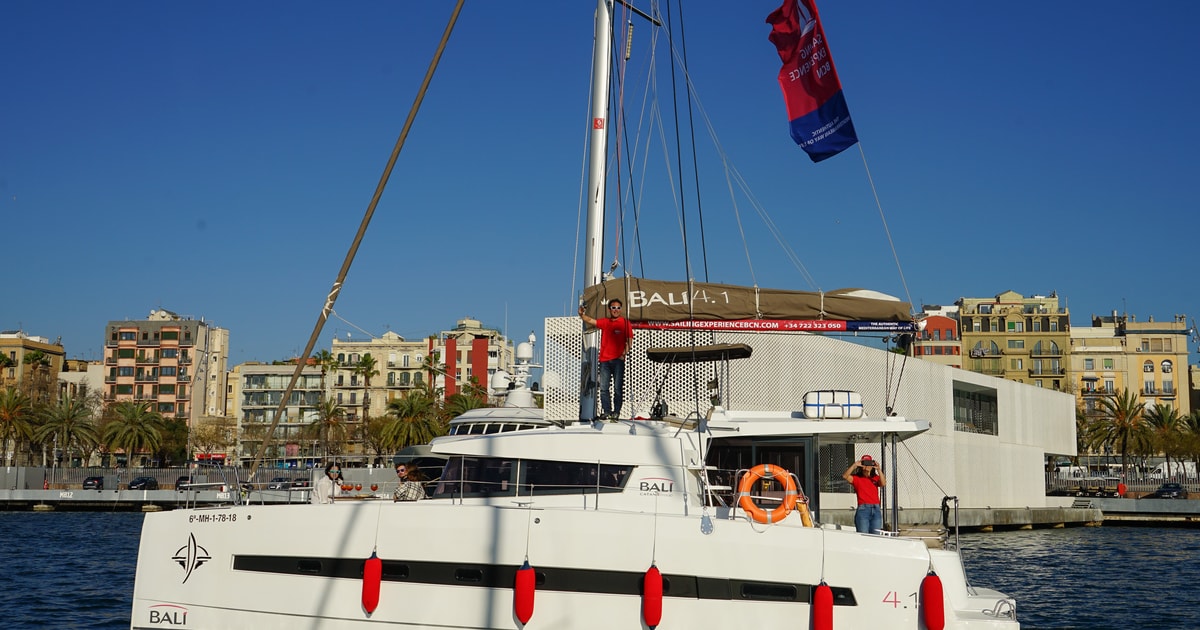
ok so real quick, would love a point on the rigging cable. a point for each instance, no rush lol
(883, 219)
(362, 229)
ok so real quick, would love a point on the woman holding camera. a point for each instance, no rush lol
(867, 479)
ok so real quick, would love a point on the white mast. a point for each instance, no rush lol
(597, 181)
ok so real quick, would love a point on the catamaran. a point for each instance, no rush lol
(542, 519)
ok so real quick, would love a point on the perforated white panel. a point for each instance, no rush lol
(782, 368)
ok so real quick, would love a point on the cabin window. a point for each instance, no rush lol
(495, 476)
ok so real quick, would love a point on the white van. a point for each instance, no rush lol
(1178, 468)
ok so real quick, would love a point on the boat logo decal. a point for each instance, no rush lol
(656, 485)
(170, 614)
(190, 557)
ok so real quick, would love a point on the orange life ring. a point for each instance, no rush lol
(767, 471)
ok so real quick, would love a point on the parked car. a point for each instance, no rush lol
(279, 483)
(1169, 491)
(93, 483)
(301, 483)
(183, 481)
(143, 483)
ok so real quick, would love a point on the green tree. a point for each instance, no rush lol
(416, 418)
(39, 383)
(173, 448)
(213, 435)
(69, 424)
(136, 428)
(327, 362)
(329, 428)
(1121, 425)
(16, 421)
(471, 397)
(1166, 429)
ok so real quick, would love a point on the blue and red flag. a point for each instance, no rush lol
(820, 120)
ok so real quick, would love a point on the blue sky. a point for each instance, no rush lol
(215, 159)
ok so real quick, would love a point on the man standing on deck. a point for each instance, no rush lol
(616, 337)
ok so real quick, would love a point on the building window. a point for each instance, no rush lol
(1148, 367)
(1089, 364)
(170, 334)
(128, 335)
(1168, 387)
(1166, 366)
(1037, 325)
(975, 409)
(975, 326)
(167, 370)
(1108, 364)
(1016, 344)
(1054, 325)
(1016, 327)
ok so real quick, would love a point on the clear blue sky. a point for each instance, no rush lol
(215, 159)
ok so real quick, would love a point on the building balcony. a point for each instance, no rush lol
(110, 379)
(185, 360)
(146, 378)
(1047, 371)
(185, 379)
(147, 360)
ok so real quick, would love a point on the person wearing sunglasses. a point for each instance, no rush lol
(328, 486)
(410, 487)
(616, 337)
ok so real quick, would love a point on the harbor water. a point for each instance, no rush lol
(75, 570)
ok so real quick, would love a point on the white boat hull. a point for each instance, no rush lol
(450, 565)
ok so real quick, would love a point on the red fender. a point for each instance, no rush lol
(372, 574)
(523, 593)
(822, 607)
(933, 607)
(652, 597)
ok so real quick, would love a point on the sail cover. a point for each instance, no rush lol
(820, 120)
(709, 306)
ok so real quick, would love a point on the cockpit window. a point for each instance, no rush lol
(493, 476)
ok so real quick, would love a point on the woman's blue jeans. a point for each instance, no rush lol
(868, 518)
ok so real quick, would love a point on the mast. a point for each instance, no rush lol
(597, 181)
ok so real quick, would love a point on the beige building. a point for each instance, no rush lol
(38, 379)
(177, 364)
(399, 364)
(1022, 339)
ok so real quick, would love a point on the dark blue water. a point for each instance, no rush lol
(75, 570)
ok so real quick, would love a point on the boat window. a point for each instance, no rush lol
(494, 476)
(492, 428)
(475, 429)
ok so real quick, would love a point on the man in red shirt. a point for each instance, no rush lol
(867, 479)
(616, 337)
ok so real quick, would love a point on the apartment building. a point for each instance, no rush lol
(38, 378)
(256, 391)
(1118, 352)
(939, 341)
(1019, 338)
(177, 364)
(472, 351)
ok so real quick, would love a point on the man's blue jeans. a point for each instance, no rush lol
(868, 518)
(612, 373)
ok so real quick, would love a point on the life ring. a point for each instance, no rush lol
(767, 471)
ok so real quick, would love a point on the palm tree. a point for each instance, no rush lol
(137, 427)
(1166, 428)
(70, 423)
(326, 361)
(416, 419)
(471, 397)
(16, 420)
(5, 363)
(329, 427)
(1121, 425)
(366, 369)
(39, 385)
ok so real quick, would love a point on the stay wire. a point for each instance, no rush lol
(883, 219)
